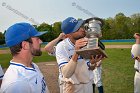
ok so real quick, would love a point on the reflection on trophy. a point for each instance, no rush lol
(93, 32)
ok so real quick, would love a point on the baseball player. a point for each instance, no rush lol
(1, 75)
(76, 71)
(50, 48)
(23, 76)
(97, 77)
(98, 72)
(135, 51)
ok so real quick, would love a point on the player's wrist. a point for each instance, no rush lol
(93, 64)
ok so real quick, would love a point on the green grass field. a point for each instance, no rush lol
(118, 43)
(118, 71)
(5, 58)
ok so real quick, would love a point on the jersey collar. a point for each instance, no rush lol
(21, 65)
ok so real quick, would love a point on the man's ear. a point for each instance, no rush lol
(25, 45)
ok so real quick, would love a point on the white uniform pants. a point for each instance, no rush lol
(97, 76)
(137, 82)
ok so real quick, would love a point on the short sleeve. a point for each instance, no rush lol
(62, 56)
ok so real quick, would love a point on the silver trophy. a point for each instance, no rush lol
(93, 33)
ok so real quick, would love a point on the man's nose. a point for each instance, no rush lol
(40, 41)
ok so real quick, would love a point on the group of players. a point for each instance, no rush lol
(76, 74)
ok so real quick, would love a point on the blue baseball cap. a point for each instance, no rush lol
(19, 32)
(70, 25)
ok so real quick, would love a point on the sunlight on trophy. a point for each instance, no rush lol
(93, 33)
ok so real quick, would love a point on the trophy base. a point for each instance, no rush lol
(86, 53)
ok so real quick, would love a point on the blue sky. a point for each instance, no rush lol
(50, 11)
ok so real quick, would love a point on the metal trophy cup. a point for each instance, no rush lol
(93, 32)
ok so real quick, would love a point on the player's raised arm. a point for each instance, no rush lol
(50, 46)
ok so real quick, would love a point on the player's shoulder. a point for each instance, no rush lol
(62, 43)
(34, 65)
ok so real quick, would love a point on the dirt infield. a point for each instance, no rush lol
(50, 72)
(118, 46)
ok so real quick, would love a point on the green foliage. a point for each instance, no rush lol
(1, 35)
(45, 27)
(2, 41)
(53, 31)
(119, 27)
(56, 29)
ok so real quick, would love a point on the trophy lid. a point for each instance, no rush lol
(101, 22)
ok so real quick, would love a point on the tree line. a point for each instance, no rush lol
(119, 27)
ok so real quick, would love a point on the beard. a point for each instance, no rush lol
(36, 52)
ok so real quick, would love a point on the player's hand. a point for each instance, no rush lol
(137, 58)
(93, 63)
(81, 43)
(95, 59)
(61, 36)
(99, 63)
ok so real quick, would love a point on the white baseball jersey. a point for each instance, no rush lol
(21, 79)
(64, 52)
(1, 73)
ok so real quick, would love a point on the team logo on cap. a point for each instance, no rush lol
(73, 20)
